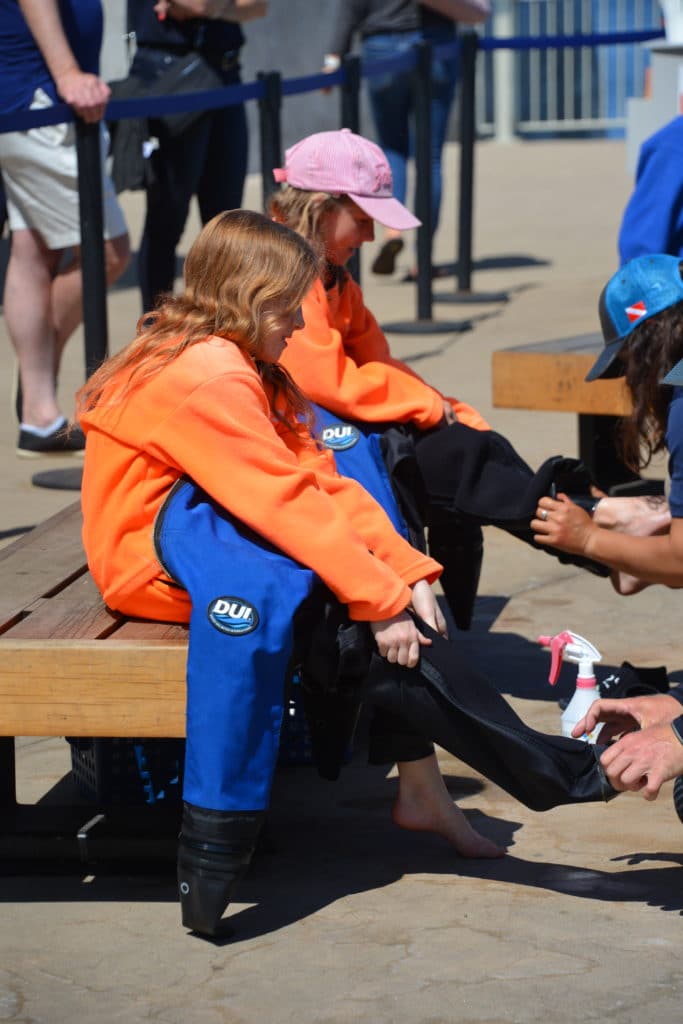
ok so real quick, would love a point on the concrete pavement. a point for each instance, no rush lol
(346, 919)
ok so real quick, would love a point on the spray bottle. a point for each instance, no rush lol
(567, 646)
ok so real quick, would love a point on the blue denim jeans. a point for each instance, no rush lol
(208, 160)
(391, 99)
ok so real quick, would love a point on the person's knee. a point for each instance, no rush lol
(116, 257)
(28, 248)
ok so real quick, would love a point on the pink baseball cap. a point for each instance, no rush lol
(342, 163)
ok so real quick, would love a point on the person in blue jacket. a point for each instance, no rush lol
(653, 219)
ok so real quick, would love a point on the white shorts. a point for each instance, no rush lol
(40, 175)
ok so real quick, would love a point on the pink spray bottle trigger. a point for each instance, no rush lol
(557, 645)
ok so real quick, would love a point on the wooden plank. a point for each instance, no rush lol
(537, 377)
(92, 688)
(41, 562)
(78, 612)
(141, 629)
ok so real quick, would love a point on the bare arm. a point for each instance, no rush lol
(217, 10)
(656, 559)
(85, 92)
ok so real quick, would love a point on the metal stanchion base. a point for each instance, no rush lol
(428, 327)
(59, 479)
(469, 296)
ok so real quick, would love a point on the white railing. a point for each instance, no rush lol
(558, 91)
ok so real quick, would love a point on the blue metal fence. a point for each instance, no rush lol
(533, 92)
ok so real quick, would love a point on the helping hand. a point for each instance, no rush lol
(627, 714)
(642, 761)
(559, 523)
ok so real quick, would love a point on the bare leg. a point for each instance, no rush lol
(424, 804)
(639, 516)
(28, 313)
(67, 289)
(40, 326)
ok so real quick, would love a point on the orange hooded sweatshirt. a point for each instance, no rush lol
(341, 360)
(206, 416)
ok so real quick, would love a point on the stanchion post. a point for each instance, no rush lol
(422, 96)
(95, 327)
(270, 131)
(350, 118)
(468, 53)
(469, 45)
(350, 93)
(423, 176)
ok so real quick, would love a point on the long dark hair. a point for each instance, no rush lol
(651, 350)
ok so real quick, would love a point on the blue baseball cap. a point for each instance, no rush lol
(642, 288)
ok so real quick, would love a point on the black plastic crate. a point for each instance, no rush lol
(295, 737)
(147, 771)
(133, 771)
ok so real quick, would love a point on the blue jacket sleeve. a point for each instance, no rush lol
(653, 218)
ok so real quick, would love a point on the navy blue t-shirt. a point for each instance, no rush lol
(674, 445)
(22, 67)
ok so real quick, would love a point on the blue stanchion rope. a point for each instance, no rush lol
(575, 41)
(213, 99)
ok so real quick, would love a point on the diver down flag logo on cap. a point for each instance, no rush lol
(635, 311)
(640, 289)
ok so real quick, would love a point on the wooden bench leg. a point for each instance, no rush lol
(8, 776)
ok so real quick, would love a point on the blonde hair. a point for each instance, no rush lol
(239, 268)
(305, 212)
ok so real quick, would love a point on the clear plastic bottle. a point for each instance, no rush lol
(586, 692)
(568, 646)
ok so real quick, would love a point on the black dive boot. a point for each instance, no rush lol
(214, 851)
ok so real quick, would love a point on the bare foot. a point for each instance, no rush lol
(451, 824)
(627, 585)
(640, 516)
(424, 804)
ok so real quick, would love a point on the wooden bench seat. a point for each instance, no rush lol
(71, 667)
(549, 376)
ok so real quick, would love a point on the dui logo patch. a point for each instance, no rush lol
(340, 436)
(233, 615)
